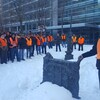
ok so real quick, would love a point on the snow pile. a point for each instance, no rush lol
(47, 91)
(21, 80)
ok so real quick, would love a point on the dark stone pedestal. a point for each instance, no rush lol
(62, 72)
(68, 56)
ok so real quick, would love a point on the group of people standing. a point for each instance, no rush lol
(74, 39)
(78, 40)
(13, 46)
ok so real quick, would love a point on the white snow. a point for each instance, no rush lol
(21, 80)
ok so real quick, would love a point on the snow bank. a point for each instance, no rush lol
(47, 91)
(21, 80)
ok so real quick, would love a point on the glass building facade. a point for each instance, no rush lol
(84, 15)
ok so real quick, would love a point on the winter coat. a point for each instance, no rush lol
(22, 43)
(93, 52)
(58, 40)
(34, 41)
(8, 40)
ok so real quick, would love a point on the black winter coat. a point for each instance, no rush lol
(22, 43)
(93, 52)
(58, 40)
(34, 41)
(8, 40)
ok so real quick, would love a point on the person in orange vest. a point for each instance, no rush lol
(81, 43)
(44, 44)
(74, 41)
(50, 41)
(63, 38)
(14, 47)
(3, 49)
(38, 44)
(29, 46)
(94, 51)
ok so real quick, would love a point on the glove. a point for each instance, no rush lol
(80, 58)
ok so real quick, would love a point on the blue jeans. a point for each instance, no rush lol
(44, 50)
(38, 50)
(21, 54)
(14, 53)
(50, 45)
(58, 46)
(64, 44)
(29, 50)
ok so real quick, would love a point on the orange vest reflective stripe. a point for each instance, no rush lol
(81, 40)
(98, 49)
(29, 42)
(63, 37)
(3, 42)
(74, 39)
(14, 42)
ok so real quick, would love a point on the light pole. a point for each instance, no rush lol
(69, 51)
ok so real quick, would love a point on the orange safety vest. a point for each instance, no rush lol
(98, 49)
(38, 41)
(49, 38)
(81, 40)
(74, 39)
(43, 39)
(63, 37)
(29, 42)
(14, 42)
(3, 42)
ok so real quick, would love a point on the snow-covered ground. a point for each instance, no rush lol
(21, 80)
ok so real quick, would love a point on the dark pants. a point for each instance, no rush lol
(98, 67)
(14, 53)
(80, 47)
(99, 77)
(64, 44)
(29, 51)
(74, 45)
(3, 55)
(44, 50)
(33, 48)
(58, 46)
(9, 54)
(38, 49)
(21, 54)
(50, 45)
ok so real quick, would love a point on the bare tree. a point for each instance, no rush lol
(1, 23)
(19, 12)
(41, 13)
(1, 18)
(10, 14)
